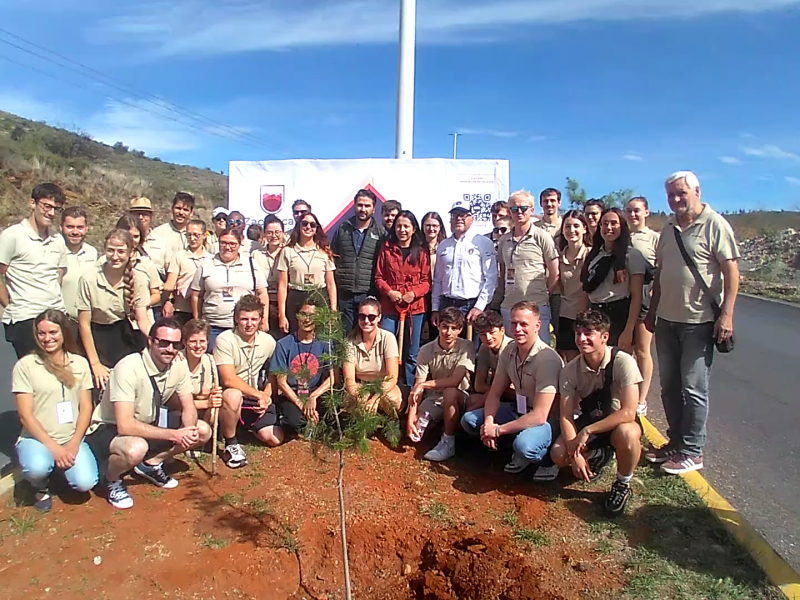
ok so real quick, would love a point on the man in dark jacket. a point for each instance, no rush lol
(355, 246)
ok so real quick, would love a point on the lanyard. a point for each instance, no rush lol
(157, 396)
(515, 244)
(309, 262)
(250, 362)
(519, 366)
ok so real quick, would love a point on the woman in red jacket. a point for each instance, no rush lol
(403, 278)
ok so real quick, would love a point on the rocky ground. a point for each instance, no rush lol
(770, 264)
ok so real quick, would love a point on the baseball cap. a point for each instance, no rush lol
(461, 205)
(141, 203)
(219, 210)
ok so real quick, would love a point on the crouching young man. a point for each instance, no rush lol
(146, 414)
(532, 367)
(602, 385)
(442, 380)
(242, 354)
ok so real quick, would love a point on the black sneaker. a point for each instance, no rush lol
(618, 498)
(155, 474)
(43, 501)
(598, 462)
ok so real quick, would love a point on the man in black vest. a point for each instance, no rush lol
(355, 246)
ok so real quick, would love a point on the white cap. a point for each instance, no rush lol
(218, 210)
(461, 205)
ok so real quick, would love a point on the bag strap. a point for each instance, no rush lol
(695, 272)
(608, 380)
(253, 273)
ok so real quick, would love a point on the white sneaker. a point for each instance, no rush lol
(234, 456)
(446, 448)
(518, 464)
(118, 496)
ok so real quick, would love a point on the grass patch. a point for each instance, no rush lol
(287, 538)
(230, 499)
(436, 511)
(259, 507)
(22, 525)
(533, 537)
(215, 543)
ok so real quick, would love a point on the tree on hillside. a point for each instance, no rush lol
(577, 196)
(120, 148)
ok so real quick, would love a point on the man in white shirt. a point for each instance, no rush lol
(466, 267)
(174, 231)
(80, 255)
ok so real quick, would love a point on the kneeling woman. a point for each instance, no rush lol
(205, 380)
(372, 356)
(52, 388)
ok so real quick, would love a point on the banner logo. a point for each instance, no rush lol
(272, 198)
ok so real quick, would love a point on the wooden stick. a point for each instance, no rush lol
(401, 335)
(215, 420)
(469, 331)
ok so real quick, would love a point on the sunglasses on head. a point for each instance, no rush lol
(167, 343)
(235, 221)
(366, 317)
(500, 230)
(519, 209)
(311, 224)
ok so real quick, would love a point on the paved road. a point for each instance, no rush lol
(9, 423)
(753, 453)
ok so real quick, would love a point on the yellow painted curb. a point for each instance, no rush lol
(777, 570)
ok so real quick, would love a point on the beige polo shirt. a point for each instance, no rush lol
(205, 376)
(371, 364)
(572, 295)
(221, 286)
(185, 263)
(159, 251)
(305, 267)
(488, 360)
(536, 373)
(578, 380)
(31, 377)
(554, 230)
(77, 262)
(439, 363)
(646, 242)
(175, 239)
(32, 276)
(247, 359)
(268, 263)
(523, 274)
(608, 291)
(106, 302)
(130, 382)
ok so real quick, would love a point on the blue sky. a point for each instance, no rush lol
(615, 93)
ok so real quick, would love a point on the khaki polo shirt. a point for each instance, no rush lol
(159, 251)
(608, 291)
(130, 382)
(221, 286)
(185, 264)
(371, 364)
(554, 230)
(248, 359)
(578, 380)
(439, 363)
(269, 265)
(306, 267)
(534, 374)
(31, 377)
(709, 241)
(32, 276)
(175, 238)
(212, 242)
(646, 242)
(572, 294)
(77, 262)
(524, 276)
(205, 376)
(106, 302)
(487, 360)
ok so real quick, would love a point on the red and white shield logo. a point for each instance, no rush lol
(272, 198)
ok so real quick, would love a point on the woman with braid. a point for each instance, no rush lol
(143, 264)
(109, 296)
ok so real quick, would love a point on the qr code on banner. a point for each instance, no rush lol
(480, 206)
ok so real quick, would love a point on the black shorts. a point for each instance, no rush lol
(100, 439)
(601, 440)
(617, 312)
(565, 334)
(251, 419)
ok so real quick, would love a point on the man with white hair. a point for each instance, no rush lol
(694, 292)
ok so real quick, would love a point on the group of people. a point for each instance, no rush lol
(125, 354)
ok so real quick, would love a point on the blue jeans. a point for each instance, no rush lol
(37, 463)
(410, 341)
(532, 443)
(544, 319)
(685, 354)
(348, 306)
(215, 331)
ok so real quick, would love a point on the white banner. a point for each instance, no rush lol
(257, 189)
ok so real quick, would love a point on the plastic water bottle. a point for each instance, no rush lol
(422, 425)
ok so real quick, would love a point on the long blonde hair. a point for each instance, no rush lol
(63, 372)
(121, 235)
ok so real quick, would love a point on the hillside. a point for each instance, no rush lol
(99, 177)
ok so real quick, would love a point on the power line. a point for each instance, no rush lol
(91, 73)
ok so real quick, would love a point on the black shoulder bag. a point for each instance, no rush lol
(597, 273)
(727, 345)
(601, 401)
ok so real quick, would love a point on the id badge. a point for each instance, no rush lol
(163, 417)
(64, 413)
(227, 294)
(308, 279)
(510, 277)
(522, 404)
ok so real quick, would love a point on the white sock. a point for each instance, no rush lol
(624, 478)
(448, 438)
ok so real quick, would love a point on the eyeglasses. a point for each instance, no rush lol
(194, 235)
(519, 209)
(228, 244)
(49, 207)
(310, 224)
(455, 216)
(500, 230)
(305, 315)
(163, 344)
(365, 317)
(235, 221)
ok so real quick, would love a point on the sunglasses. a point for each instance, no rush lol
(167, 343)
(459, 215)
(300, 212)
(235, 221)
(366, 317)
(500, 230)
(310, 224)
(519, 209)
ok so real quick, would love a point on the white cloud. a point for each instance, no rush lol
(632, 157)
(792, 180)
(203, 27)
(23, 105)
(729, 160)
(537, 138)
(488, 132)
(771, 151)
(766, 177)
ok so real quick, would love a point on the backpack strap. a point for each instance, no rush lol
(608, 380)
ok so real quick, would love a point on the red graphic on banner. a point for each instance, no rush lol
(348, 210)
(272, 198)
